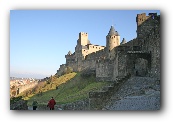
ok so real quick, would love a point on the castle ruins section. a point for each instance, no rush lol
(137, 57)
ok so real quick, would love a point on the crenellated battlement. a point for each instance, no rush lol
(141, 18)
(83, 34)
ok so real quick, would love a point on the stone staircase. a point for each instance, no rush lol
(137, 93)
(97, 99)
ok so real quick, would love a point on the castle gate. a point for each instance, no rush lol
(138, 63)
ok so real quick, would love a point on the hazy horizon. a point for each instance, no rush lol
(28, 75)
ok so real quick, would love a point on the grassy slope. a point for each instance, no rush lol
(71, 87)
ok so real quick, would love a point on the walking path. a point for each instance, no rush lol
(30, 108)
(138, 93)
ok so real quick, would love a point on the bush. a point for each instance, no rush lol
(15, 99)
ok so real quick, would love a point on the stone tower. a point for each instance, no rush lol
(81, 43)
(112, 40)
(83, 39)
(145, 24)
(141, 18)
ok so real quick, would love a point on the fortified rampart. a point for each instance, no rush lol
(137, 57)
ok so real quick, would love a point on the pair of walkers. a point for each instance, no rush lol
(50, 104)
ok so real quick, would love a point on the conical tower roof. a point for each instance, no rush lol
(123, 41)
(112, 31)
(69, 53)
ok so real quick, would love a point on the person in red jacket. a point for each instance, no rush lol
(51, 104)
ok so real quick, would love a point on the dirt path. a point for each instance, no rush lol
(46, 108)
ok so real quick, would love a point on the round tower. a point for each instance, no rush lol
(112, 39)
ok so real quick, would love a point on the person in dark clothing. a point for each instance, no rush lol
(51, 104)
(35, 104)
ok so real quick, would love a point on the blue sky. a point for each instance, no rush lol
(40, 39)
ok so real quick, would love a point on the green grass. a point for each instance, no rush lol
(71, 87)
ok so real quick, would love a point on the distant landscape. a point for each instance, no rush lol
(123, 75)
(67, 88)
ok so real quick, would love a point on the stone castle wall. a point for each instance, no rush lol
(150, 34)
(121, 63)
(91, 49)
(140, 56)
(61, 69)
(104, 70)
(87, 64)
(153, 46)
(101, 54)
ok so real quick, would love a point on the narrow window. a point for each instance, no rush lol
(152, 16)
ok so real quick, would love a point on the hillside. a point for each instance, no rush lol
(71, 87)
